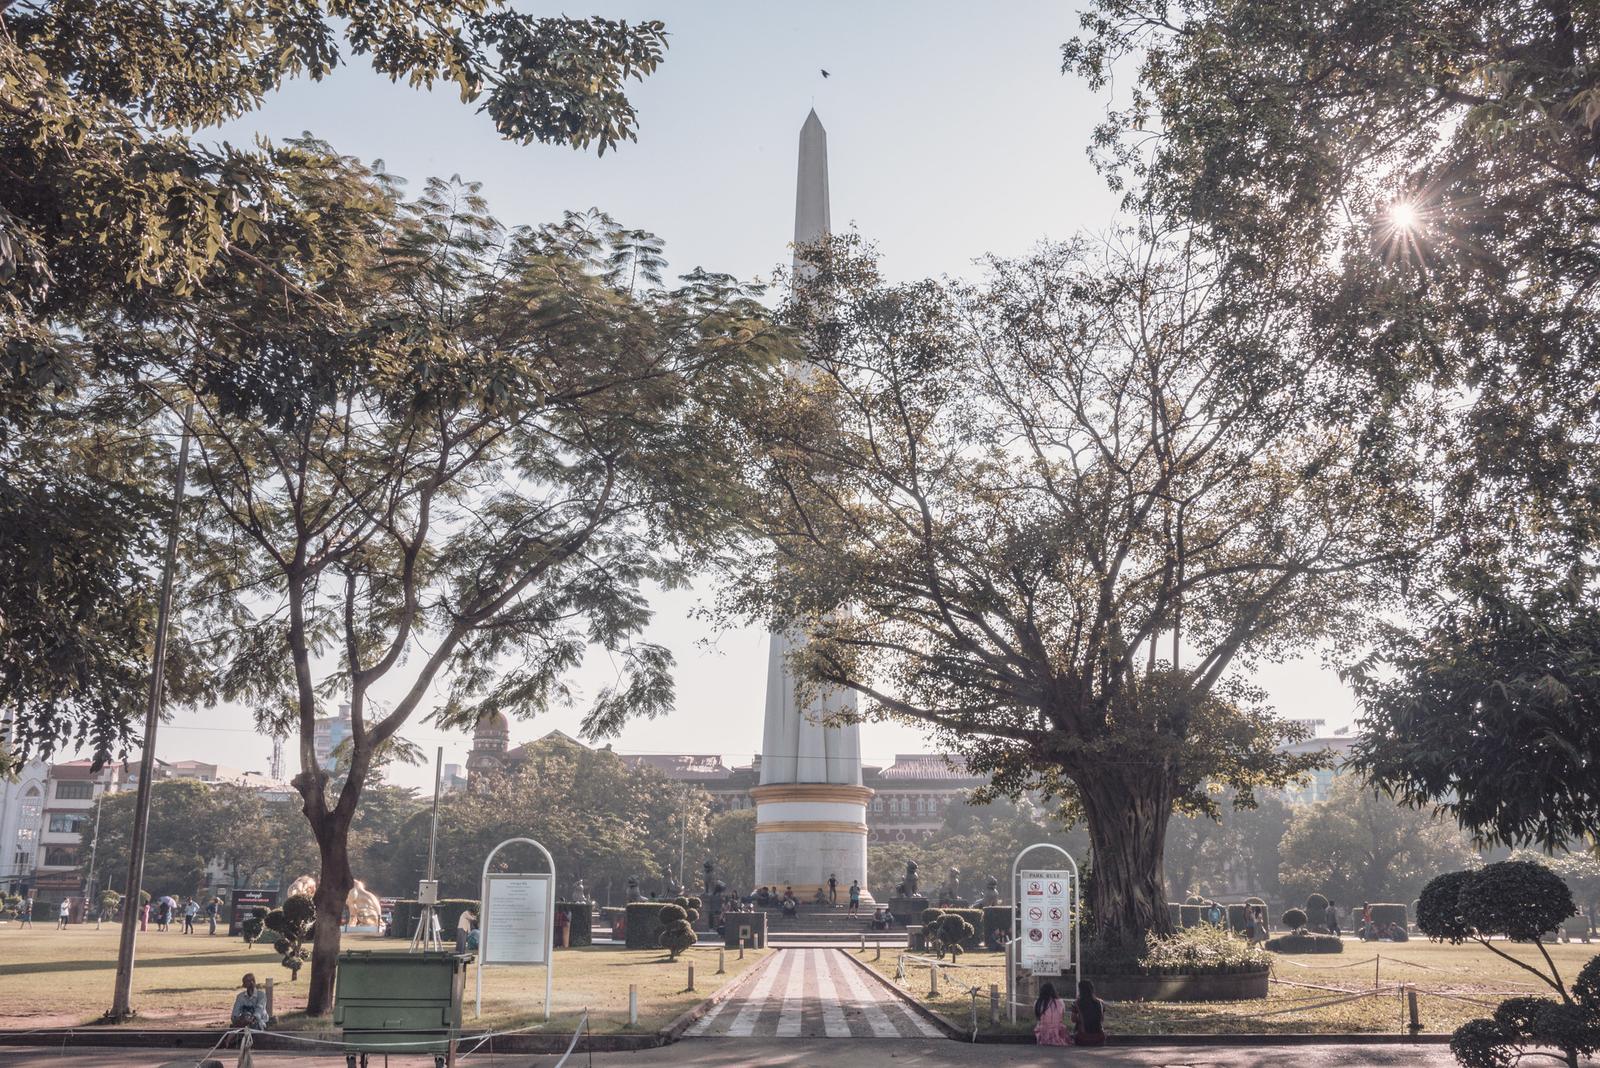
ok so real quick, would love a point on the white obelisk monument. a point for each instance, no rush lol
(811, 809)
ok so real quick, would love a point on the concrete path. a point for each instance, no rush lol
(813, 993)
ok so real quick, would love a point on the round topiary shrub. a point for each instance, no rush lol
(1517, 898)
(1294, 919)
(1482, 1044)
(951, 931)
(677, 934)
(1517, 1015)
(930, 917)
(1439, 908)
(1586, 988)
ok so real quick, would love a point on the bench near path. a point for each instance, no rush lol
(813, 993)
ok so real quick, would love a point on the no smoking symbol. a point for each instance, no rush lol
(1035, 913)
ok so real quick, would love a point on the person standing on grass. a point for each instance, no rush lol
(1048, 1030)
(26, 913)
(64, 915)
(191, 909)
(464, 929)
(1332, 919)
(213, 907)
(855, 897)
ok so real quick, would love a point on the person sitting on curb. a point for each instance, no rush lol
(250, 1006)
(1088, 1017)
(1047, 1011)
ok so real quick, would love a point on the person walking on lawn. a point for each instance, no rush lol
(64, 915)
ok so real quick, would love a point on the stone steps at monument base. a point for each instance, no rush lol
(887, 939)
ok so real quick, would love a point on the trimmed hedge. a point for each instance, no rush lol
(1192, 915)
(1239, 918)
(1175, 914)
(644, 924)
(1294, 919)
(580, 929)
(996, 918)
(1389, 912)
(1306, 943)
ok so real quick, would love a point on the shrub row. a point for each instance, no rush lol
(1306, 942)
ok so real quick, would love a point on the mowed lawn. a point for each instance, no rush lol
(1452, 983)
(51, 978)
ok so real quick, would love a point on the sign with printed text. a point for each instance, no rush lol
(516, 919)
(1046, 943)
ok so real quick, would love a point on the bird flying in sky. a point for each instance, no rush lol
(825, 74)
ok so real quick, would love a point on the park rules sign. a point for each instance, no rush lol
(516, 919)
(1046, 926)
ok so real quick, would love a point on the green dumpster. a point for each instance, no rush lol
(400, 1003)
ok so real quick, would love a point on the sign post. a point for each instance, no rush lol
(516, 919)
(1045, 934)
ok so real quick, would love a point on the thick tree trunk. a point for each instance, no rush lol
(1127, 811)
(333, 887)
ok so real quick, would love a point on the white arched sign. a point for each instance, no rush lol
(517, 918)
(1044, 920)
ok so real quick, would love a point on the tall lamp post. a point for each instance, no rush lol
(121, 1008)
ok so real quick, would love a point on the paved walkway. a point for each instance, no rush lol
(813, 993)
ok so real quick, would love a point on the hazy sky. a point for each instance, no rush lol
(952, 134)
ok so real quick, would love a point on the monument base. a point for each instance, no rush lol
(806, 832)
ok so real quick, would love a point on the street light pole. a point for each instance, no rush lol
(122, 993)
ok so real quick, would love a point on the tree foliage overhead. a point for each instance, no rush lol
(114, 212)
(1422, 178)
(1049, 514)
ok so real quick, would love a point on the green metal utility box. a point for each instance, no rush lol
(400, 1003)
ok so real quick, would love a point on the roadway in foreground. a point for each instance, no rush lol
(807, 1053)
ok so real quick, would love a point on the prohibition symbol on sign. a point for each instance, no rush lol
(1055, 888)
(1055, 914)
(1035, 914)
(1034, 934)
(1055, 935)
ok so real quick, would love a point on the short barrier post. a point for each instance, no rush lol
(633, 1004)
(879, 954)
(269, 998)
(863, 941)
(722, 961)
(994, 1004)
(1415, 1026)
(933, 980)
(691, 975)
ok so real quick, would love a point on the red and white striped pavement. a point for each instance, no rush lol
(813, 993)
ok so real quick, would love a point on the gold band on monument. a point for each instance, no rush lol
(812, 827)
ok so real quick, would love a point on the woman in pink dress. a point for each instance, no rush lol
(1049, 1010)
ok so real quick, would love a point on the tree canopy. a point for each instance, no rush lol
(114, 212)
(1050, 514)
(1420, 178)
(1361, 845)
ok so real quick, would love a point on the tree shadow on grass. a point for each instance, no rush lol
(46, 967)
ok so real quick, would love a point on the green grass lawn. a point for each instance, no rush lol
(1442, 975)
(52, 978)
